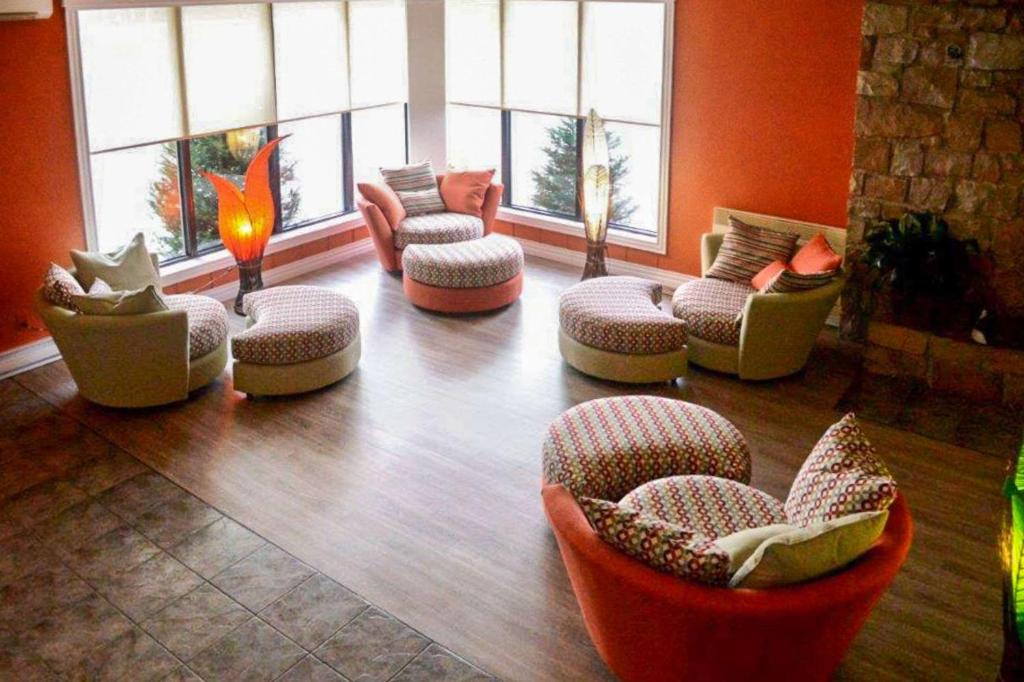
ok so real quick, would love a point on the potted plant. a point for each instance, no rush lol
(928, 273)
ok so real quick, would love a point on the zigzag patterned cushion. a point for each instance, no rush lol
(842, 475)
(711, 309)
(438, 228)
(207, 322)
(789, 282)
(660, 545)
(709, 506)
(747, 249)
(416, 187)
(607, 447)
(295, 324)
(620, 314)
(464, 265)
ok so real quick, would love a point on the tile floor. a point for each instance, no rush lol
(109, 571)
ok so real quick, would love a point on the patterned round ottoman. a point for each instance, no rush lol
(300, 338)
(613, 328)
(608, 447)
(464, 277)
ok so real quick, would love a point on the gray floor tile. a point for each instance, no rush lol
(133, 656)
(262, 577)
(63, 640)
(32, 598)
(40, 503)
(21, 555)
(16, 663)
(313, 611)
(214, 548)
(171, 522)
(310, 669)
(196, 621)
(120, 550)
(77, 525)
(182, 674)
(372, 648)
(137, 495)
(105, 471)
(437, 663)
(150, 586)
(254, 651)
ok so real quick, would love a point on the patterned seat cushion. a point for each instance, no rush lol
(710, 506)
(207, 322)
(842, 475)
(437, 228)
(464, 265)
(711, 308)
(607, 447)
(295, 324)
(620, 314)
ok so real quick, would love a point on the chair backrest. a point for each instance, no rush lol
(836, 236)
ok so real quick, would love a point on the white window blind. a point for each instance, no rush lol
(311, 58)
(377, 36)
(540, 58)
(473, 51)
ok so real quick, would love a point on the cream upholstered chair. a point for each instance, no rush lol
(141, 360)
(778, 331)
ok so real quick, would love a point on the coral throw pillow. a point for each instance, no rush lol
(769, 272)
(815, 256)
(385, 199)
(464, 191)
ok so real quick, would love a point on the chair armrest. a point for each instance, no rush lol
(491, 202)
(779, 330)
(380, 232)
(710, 243)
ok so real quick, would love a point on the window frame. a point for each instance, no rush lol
(623, 235)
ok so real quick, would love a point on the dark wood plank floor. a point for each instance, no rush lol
(415, 482)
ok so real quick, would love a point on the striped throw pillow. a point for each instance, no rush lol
(746, 250)
(788, 282)
(416, 187)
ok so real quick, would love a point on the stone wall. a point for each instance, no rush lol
(938, 127)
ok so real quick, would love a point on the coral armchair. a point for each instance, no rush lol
(392, 230)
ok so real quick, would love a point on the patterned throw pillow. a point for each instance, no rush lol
(60, 286)
(789, 282)
(746, 250)
(416, 187)
(662, 546)
(842, 475)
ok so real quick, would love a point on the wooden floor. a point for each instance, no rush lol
(415, 482)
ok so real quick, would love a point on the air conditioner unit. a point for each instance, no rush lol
(13, 10)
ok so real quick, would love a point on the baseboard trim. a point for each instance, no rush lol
(37, 353)
(667, 278)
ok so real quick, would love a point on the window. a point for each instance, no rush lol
(168, 92)
(522, 76)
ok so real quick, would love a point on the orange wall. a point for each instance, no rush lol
(762, 118)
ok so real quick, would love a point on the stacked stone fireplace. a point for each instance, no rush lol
(939, 129)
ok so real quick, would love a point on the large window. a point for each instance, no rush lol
(522, 76)
(168, 92)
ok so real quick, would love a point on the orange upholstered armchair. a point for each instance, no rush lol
(392, 230)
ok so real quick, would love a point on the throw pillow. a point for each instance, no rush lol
(126, 269)
(416, 187)
(465, 191)
(761, 279)
(136, 302)
(385, 199)
(662, 546)
(60, 287)
(842, 475)
(792, 555)
(815, 256)
(746, 250)
(789, 282)
(100, 287)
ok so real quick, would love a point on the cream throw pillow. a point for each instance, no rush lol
(136, 302)
(783, 554)
(126, 269)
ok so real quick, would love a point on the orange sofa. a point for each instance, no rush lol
(382, 224)
(651, 626)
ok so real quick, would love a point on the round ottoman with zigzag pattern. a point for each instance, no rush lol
(464, 277)
(614, 328)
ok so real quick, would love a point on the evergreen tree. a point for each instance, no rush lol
(555, 183)
(208, 154)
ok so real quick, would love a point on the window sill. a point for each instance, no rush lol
(218, 260)
(575, 229)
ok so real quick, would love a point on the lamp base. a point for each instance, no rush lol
(250, 278)
(596, 265)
